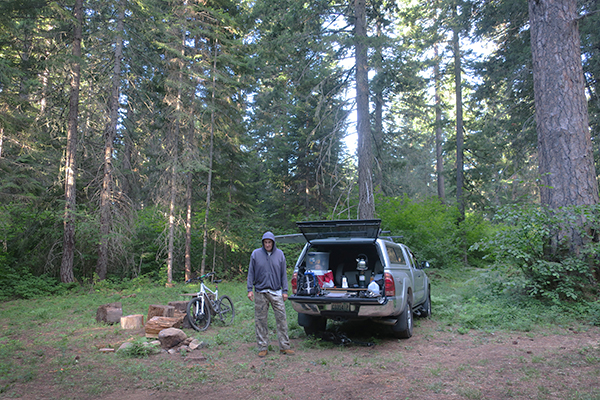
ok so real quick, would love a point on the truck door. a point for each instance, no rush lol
(418, 276)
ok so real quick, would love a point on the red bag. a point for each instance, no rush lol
(327, 277)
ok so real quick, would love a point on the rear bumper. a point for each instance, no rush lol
(346, 308)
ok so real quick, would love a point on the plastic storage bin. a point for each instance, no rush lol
(317, 261)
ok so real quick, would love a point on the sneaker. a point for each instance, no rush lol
(262, 353)
(287, 352)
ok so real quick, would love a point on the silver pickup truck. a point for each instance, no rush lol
(360, 275)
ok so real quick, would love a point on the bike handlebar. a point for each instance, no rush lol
(200, 278)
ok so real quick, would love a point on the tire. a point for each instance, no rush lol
(426, 311)
(403, 328)
(199, 319)
(312, 324)
(225, 310)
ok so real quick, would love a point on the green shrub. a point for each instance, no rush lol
(593, 311)
(139, 348)
(528, 248)
(22, 284)
(486, 299)
(432, 230)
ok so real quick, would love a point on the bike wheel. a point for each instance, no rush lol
(198, 315)
(225, 310)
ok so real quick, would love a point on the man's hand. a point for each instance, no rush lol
(251, 295)
(285, 296)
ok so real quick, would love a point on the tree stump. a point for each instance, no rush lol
(109, 313)
(132, 321)
(180, 306)
(181, 312)
(160, 311)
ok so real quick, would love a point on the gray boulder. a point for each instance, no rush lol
(171, 337)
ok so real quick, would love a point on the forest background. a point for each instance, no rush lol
(154, 140)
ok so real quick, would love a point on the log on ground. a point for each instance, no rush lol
(157, 324)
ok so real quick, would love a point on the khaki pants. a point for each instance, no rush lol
(261, 312)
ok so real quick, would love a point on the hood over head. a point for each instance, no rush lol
(269, 235)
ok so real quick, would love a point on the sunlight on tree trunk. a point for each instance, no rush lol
(188, 226)
(366, 205)
(172, 201)
(439, 166)
(378, 114)
(459, 117)
(210, 160)
(66, 266)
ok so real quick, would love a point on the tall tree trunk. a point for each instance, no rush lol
(214, 258)
(439, 166)
(176, 131)
(366, 202)
(378, 117)
(128, 182)
(306, 191)
(109, 137)
(566, 162)
(66, 266)
(210, 161)
(172, 203)
(459, 116)
(43, 92)
(188, 226)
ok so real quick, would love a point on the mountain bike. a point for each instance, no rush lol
(207, 304)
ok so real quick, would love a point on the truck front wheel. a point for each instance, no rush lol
(426, 311)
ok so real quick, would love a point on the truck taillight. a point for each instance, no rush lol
(390, 287)
(294, 282)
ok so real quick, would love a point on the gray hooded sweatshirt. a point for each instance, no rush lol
(267, 271)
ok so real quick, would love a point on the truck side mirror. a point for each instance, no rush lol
(425, 264)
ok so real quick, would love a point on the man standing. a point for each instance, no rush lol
(267, 274)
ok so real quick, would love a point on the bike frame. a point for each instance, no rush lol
(206, 304)
(204, 293)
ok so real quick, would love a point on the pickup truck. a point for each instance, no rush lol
(361, 275)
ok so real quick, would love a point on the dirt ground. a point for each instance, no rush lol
(436, 363)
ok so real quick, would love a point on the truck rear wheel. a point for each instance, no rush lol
(403, 328)
(312, 324)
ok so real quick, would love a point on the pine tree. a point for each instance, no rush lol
(110, 132)
(565, 150)
(366, 204)
(66, 267)
(297, 116)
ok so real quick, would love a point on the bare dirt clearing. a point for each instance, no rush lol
(436, 363)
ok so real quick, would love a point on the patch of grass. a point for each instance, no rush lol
(470, 392)
(140, 348)
(529, 373)
(437, 372)
(462, 299)
(511, 393)
(582, 395)
(435, 387)
(465, 369)
(538, 359)
(312, 342)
